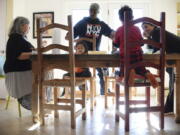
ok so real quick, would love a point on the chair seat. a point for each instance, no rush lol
(85, 78)
(140, 81)
(63, 82)
(111, 77)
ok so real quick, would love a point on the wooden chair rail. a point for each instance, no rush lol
(54, 25)
(54, 46)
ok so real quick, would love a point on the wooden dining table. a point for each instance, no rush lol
(100, 60)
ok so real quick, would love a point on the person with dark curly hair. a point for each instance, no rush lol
(135, 52)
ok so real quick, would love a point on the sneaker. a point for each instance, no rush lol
(169, 114)
(25, 102)
(168, 109)
(110, 92)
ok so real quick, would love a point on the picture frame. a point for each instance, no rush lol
(46, 19)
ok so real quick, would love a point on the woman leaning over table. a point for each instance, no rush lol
(17, 67)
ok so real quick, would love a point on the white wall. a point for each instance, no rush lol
(3, 92)
(2, 24)
(61, 9)
(27, 7)
(168, 6)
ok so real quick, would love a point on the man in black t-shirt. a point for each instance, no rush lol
(92, 26)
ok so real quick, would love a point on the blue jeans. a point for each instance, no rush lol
(101, 80)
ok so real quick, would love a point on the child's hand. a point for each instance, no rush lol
(44, 43)
(145, 34)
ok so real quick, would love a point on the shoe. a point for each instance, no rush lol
(169, 113)
(168, 110)
(25, 102)
(152, 80)
(63, 93)
(109, 91)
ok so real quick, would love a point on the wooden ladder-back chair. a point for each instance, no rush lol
(111, 79)
(70, 82)
(158, 63)
(92, 79)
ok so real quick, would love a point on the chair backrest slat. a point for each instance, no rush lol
(146, 19)
(91, 40)
(54, 25)
(145, 41)
(145, 64)
(55, 46)
(69, 48)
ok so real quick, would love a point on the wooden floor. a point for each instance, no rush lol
(99, 122)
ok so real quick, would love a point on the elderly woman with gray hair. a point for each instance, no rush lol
(17, 65)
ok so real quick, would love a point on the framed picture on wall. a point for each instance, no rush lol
(46, 19)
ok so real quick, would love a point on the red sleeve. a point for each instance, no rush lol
(138, 33)
(117, 37)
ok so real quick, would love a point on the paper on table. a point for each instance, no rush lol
(97, 52)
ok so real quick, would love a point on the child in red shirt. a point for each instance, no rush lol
(135, 52)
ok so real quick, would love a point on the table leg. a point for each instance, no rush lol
(35, 97)
(177, 93)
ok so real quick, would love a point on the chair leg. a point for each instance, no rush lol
(84, 102)
(73, 117)
(7, 102)
(66, 95)
(162, 107)
(126, 108)
(148, 100)
(162, 120)
(127, 122)
(94, 89)
(19, 109)
(41, 99)
(56, 115)
(132, 92)
(113, 87)
(106, 91)
(117, 91)
(148, 96)
(92, 94)
(158, 96)
(19, 106)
